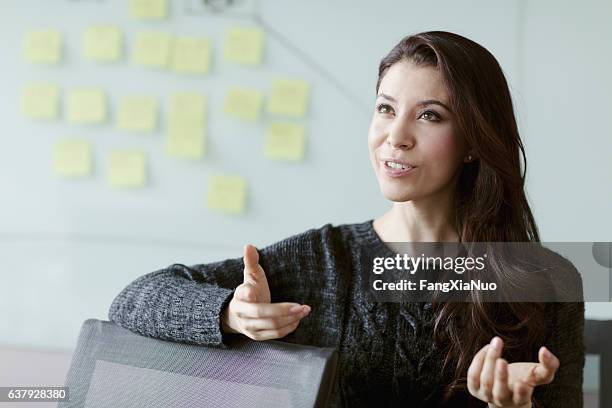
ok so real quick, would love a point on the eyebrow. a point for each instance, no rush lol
(424, 102)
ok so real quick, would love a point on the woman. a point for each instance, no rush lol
(445, 148)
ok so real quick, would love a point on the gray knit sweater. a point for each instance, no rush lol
(386, 353)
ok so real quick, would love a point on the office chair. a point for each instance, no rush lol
(598, 342)
(114, 367)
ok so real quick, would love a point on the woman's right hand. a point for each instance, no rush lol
(250, 311)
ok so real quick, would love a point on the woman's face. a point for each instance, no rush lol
(410, 128)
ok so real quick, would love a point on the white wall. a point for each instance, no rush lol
(66, 248)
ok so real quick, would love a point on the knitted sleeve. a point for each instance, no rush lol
(184, 303)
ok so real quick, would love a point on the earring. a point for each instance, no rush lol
(469, 158)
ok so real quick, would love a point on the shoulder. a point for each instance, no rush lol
(565, 277)
(320, 240)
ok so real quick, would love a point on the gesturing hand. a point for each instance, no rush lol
(251, 312)
(491, 379)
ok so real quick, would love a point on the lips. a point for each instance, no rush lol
(398, 161)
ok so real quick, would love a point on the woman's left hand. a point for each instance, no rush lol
(491, 379)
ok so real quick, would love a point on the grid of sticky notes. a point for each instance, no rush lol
(283, 106)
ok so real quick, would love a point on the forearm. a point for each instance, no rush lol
(165, 305)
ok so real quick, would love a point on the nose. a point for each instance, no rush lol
(399, 137)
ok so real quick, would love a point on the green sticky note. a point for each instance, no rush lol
(72, 158)
(226, 193)
(40, 101)
(191, 55)
(86, 106)
(102, 43)
(43, 47)
(243, 104)
(185, 139)
(288, 98)
(243, 45)
(137, 114)
(127, 169)
(285, 141)
(152, 49)
(149, 9)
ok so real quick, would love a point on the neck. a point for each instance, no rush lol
(424, 220)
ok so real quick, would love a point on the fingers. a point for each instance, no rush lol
(473, 374)
(253, 272)
(487, 374)
(274, 327)
(272, 323)
(502, 395)
(488, 378)
(248, 310)
(544, 372)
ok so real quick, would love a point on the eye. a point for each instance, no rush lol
(433, 113)
(384, 108)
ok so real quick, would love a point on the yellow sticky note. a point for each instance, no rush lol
(226, 193)
(127, 168)
(152, 49)
(190, 105)
(243, 45)
(191, 55)
(148, 9)
(40, 101)
(137, 114)
(86, 105)
(185, 139)
(288, 98)
(102, 43)
(186, 132)
(243, 103)
(43, 47)
(285, 141)
(72, 158)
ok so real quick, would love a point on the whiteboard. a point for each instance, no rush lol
(68, 247)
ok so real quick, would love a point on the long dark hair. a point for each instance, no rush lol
(490, 202)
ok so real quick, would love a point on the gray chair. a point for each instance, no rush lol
(113, 367)
(598, 369)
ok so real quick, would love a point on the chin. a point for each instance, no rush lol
(396, 195)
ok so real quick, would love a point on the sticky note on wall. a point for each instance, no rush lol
(285, 141)
(191, 55)
(288, 98)
(43, 47)
(86, 106)
(189, 105)
(148, 9)
(72, 158)
(102, 43)
(186, 126)
(137, 114)
(226, 193)
(126, 169)
(243, 103)
(243, 45)
(152, 49)
(186, 140)
(40, 101)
